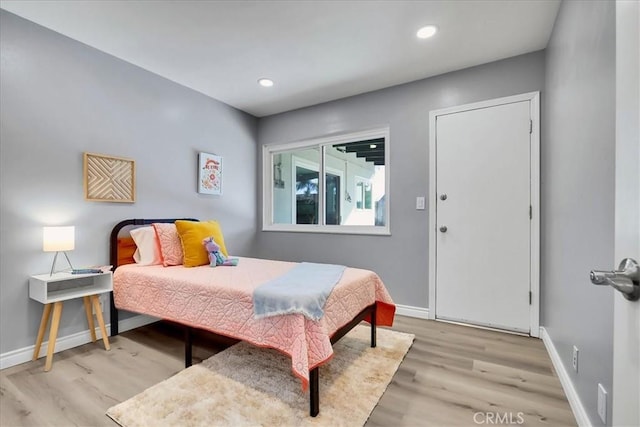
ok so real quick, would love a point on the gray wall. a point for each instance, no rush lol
(578, 192)
(400, 259)
(61, 98)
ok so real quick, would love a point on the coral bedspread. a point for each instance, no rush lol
(220, 300)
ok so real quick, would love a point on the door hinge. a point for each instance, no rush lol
(530, 212)
(530, 126)
(530, 297)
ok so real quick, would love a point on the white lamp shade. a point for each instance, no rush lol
(58, 239)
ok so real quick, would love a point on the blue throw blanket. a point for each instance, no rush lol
(303, 289)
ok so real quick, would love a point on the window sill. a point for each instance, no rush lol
(330, 229)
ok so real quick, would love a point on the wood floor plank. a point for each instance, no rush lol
(451, 374)
(493, 394)
(529, 381)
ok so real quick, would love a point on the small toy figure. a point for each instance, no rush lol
(215, 256)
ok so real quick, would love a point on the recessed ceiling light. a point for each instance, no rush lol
(426, 32)
(372, 146)
(265, 82)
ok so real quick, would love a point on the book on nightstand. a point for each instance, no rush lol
(92, 270)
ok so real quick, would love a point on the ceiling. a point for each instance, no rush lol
(315, 51)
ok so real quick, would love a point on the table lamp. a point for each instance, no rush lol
(58, 239)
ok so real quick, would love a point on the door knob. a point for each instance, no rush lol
(443, 197)
(443, 229)
(625, 279)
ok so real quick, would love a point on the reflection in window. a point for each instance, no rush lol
(306, 196)
(363, 194)
(333, 198)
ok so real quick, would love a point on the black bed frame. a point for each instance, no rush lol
(314, 382)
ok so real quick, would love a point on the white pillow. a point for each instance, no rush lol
(148, 252)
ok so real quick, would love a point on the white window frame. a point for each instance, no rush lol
(267, 188)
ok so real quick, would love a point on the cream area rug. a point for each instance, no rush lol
(249, 386)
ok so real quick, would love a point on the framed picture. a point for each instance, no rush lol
(109, 179)
(209, 174)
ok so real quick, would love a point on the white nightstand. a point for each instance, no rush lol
(53, 290)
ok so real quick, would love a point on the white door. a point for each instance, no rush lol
(483, 229)
(626, 334)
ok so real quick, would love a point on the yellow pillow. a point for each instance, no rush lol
(192, 234)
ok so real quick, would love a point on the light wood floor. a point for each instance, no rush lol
(451, 375)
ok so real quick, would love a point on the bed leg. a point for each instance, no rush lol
(314, 392)
(113, 315)
(188, 341)
(373, 325)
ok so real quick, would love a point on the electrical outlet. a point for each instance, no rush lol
(574, 360)
(420, 203)
(602, 403)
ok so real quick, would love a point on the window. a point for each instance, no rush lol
(337, 184)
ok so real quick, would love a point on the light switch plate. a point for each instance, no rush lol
(420, 202)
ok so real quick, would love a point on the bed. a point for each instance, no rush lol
(219, 300)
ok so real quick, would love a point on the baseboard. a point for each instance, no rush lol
(409, 311)
(569, 390)
(22, 355)
(134, 322)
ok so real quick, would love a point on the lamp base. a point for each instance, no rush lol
(55, 257)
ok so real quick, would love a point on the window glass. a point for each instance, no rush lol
(335, 182)
(295, 186)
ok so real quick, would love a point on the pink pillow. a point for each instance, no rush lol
(170, 245)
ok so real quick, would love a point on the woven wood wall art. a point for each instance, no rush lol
(109, 179)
